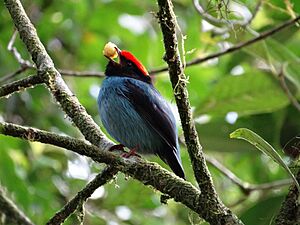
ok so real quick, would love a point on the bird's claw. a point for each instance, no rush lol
(119, 147)
(132, 152)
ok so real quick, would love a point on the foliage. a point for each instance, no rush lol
(240, 89)
(264, 147)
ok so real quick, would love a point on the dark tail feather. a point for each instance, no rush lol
(174, 162)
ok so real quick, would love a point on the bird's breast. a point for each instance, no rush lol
(121, 120)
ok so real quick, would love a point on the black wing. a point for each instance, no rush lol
(159, 120)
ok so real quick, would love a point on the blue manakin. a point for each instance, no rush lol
(134, 113)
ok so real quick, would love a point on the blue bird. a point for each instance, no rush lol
(135, 114)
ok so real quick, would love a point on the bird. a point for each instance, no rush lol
(134, 113)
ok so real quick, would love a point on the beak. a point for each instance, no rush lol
(118, 51)
(112, 60)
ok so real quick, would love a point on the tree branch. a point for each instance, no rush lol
(9, 76)
(236, 47)
(11, 211)
(102, 178)
(245, 187)
(178, 80)
(53, 79)
(10, 47)
(221, 214)
(48, 73)
(287, 91)
(289, 214)
(147, 173)
(19, 85)
(81, 73)
(218, 21)
(196, 61)
(24, 64)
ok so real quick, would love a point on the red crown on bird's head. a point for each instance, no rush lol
(129, 56)
(111, 51)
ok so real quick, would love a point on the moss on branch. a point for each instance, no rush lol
(213, 210)
(146, 172)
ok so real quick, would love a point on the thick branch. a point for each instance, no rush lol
(52, 77)
(289, 213)
(218, 213)
(102, 178)
(237, 47)
(20, 85)
(142, 171)
(146, 172)
(11, 211)
(178, 79)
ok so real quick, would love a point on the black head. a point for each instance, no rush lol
(128, 66)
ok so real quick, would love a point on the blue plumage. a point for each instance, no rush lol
(136, 115)
(121, 120)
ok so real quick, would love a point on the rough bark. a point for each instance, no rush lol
(12, 213)
(217, 213)
(289, 213)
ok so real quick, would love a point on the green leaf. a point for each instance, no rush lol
(10, 178)
(278, 56)
(214, 135)
(281, 55)
(262, 213)
(265, 147)
(246, 94)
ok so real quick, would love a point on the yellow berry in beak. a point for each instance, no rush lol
(110, 50)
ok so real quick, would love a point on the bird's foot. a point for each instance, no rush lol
(119, 147)
(132, 152)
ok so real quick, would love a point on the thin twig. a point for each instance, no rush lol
(22, 84)
(287, 91)
(24, 64)
(196, 61)
(102, 178)
(10, 47)
(81, 73)
(254, 13)
(231, 176)
(12, 213)
(214, 20)
(236, 47)
(226, 24)
(13, 74)
(246, 187)
(270, 185)
(238, 201)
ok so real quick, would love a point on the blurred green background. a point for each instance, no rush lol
(237, 90)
